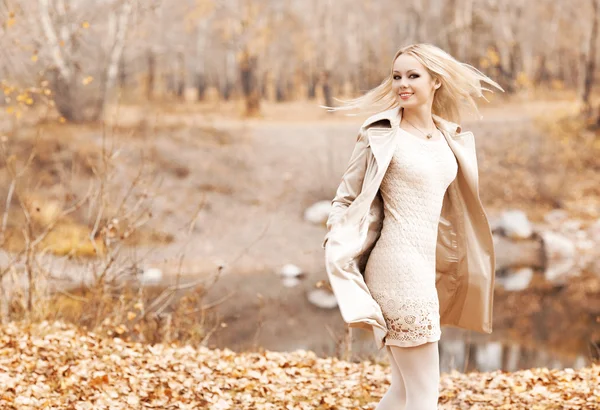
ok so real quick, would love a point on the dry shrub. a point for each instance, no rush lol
(568, 161)
(54, 166)
(129, 312)
(571, 140)
(96, 231)
(55, 154)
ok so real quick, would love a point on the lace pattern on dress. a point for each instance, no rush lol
(409, 320)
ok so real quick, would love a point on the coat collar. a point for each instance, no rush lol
(382, 142)
(394, 115)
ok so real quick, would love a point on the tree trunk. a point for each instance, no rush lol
(248, 76)
(312, 86)
(122, 73)
(201, 85)
(470, 357)
(541, 75)
(590, 64)
(450, 16)
(279, 91)
(65, 94)
(226, 90)
(180, 75)
(151, 79)
(327, 89)
(115, 55)
(200, 58)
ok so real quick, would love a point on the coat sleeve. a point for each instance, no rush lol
(351, 183)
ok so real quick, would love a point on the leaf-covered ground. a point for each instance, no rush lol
(58, 366)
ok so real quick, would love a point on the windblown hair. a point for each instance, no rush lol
(461, 82)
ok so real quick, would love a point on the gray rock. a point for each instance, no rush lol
(322, 298)
(289, 270)
(560, 255)
(514, 253)
(290, 282)
(517, 279)
(515, 224)
(151, 276)
(318, 212)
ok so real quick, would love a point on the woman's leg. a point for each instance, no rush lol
(395, 397)
(420, 369)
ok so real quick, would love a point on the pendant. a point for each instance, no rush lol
(429, 136)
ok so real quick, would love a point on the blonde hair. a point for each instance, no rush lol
(461, 82)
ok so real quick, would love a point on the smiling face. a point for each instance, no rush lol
(411, 82)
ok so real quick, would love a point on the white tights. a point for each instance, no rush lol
(415, 378)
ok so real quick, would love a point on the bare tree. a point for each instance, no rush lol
(64, 43)
(77, 43)
(590, 62)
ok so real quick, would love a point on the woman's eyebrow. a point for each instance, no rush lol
(396, 71)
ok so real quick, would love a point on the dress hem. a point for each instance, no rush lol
(412, 343)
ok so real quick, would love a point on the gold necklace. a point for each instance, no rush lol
(428, 135)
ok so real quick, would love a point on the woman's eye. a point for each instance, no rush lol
(397, 77)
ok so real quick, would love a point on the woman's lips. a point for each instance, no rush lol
(405, 96)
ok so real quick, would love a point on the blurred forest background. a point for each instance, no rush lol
(281, 50)
(166, 168)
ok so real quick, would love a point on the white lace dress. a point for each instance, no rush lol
(400, 272)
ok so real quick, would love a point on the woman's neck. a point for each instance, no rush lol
(419, 117)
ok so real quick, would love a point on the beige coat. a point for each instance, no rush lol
(465, 258)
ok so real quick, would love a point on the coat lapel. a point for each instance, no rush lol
(382, 142)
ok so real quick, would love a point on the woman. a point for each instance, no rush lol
(409, 247)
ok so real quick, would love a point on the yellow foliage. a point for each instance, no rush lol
(523, 80)
(493, 56)
(7, 89)
(87, 80)
(43, 211)
(72, 239)
(66, 238)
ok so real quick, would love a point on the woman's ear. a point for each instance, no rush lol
(437, 84)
